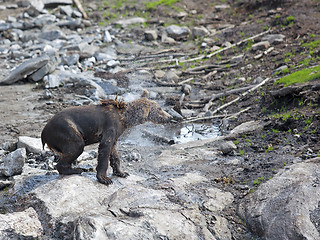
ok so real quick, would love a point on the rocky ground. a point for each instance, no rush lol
(212, 65)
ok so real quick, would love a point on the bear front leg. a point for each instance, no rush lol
(104, 152)
(115, 163)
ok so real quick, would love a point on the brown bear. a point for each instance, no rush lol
(73, 128)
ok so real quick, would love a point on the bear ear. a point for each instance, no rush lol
(145, 94)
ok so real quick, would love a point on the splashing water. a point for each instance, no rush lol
(177, 133)
(195, 132)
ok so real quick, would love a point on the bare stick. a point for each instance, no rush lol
(232, 91)
(241, 96)
(238, 113)
(237, 44)
(185, 81)
(223, 94)
(79, 6)
(181, 98)
(210, 74)
(196, 119)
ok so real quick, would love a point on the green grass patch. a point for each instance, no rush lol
(269, 149)
(314, 44)
(301, 76)
(258, 181)
(249, 45)
(289, 20)
(153, 5)
(241, 152)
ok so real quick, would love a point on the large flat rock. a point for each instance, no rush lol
(281, 208)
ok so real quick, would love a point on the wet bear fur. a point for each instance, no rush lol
(69, 131)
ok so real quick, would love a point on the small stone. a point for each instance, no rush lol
(199, 32)
(46, 19)
(107, 37)
(159, 74)
(260, 46)
(171, 77)
(85, 49)
(150, 35)
(72, 24)
(214, 48)
(52, 35)
(186, 89)
(168, 40)
(51, 81)
(227, 147)
(103, 57)
(47, 94)
(258, 56)
(134, 156)
(13, 163)
(204, 45)
(70, 60)
(5, 184)
(8, 146)
(11, 19)
(130, 21)
(281, 69)
(177, 32)
(76, 13)
(12, 6)
(227, 44)
(113, 63)
(182, 14)
(31, 144)
(48, 68)
(274, 38)
(221, 7)
(226, 26)
(246, 127)
(67, 10)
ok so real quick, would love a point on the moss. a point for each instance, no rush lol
(301, 76)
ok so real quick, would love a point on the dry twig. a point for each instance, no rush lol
(79, 6)
(241, 96)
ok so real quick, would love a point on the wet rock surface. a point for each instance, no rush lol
(240, 159)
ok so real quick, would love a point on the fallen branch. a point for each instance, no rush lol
(185, 81)
(192, 59)
(79, 6)
(151, 55)
(223, 94)
(150, 68)
(238, 113)
(241, 96)
(196, 119)
(209, 75)
(237, 44)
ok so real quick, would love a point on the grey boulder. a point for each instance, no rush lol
(12, 164)
(25, 69)
(177, 32)
(286, 206)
